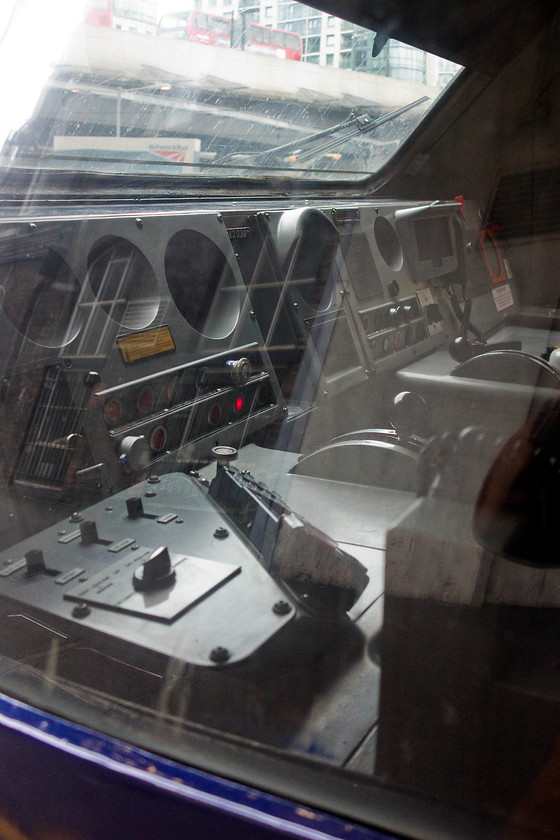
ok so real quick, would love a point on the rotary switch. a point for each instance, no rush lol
(155, 573)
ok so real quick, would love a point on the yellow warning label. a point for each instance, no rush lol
(144, 345)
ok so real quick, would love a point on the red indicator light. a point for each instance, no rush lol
(262, 395)
(158, 438)
(145, 400)
(238, 405)
(214, 415)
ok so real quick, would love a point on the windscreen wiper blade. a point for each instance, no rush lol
(306, 148)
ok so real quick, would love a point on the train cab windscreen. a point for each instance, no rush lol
(280, 400)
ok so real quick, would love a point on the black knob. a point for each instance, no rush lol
(408, 411)
(92, 377)
(88, 532)
(408, 313)
(155, 573)
(394, 316)
(461, 349)
(35, 560)
(134, 507)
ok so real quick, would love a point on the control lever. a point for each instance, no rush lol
(323, 577)
(408, 411)
(35, 562)
(462, 348)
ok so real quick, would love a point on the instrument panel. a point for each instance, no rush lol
(141, 356)
(130, 342)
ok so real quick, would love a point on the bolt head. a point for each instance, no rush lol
(81, 610)
(282, 608)
(219, 654)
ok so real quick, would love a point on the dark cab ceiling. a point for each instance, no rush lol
(481, 34)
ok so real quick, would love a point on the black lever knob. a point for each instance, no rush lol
(134, 507)
(35, 560)
(88, 533)
(407, 412)
(155, 573)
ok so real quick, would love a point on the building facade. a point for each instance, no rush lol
(327, 40)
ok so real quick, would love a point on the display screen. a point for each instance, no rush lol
(433, 238)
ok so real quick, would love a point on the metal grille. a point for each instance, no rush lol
(56, 419)
(527, 204)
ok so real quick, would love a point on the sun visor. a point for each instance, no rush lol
(477, 34)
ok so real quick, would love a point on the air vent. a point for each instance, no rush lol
(527, 204)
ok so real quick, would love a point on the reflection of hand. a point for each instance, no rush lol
(517, 508)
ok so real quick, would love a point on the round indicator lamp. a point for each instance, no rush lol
(214, 414)
(262, 395)
(158, 437)
(145, 400)
(238, 404)
(171, 390)
(201, 379)
(112, 412)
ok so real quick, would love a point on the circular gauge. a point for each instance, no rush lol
(40, 297)
(202, 284)
(388, 243)
(123, 282)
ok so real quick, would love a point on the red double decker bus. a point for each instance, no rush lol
(132, 15)
(220, 31)
(201, 27)
(278, 42)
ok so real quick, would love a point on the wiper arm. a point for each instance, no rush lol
(306, 148)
